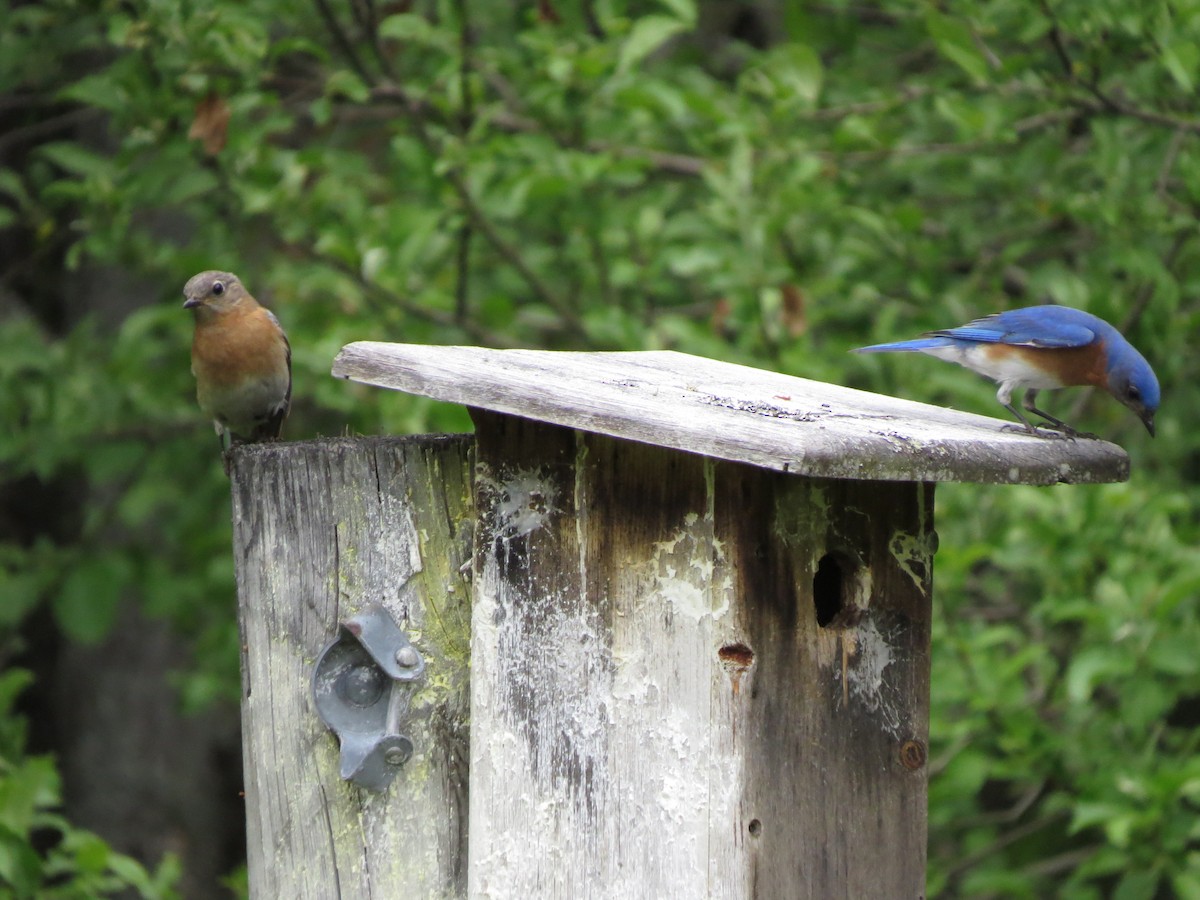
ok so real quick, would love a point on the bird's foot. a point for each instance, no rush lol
(1065, 430)
(1048, 432)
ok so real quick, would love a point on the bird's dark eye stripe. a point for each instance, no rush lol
(218, 288)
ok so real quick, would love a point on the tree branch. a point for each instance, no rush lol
(345, 45)
(480, 220)
(49, 126)
(1056, 41)
(1105, 101)
(385, 299)
(372, 27)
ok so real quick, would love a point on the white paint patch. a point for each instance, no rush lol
(913, 554)
(683, 566)
(527, 501)
(872, 654)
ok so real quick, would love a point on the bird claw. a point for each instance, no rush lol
(1066, 431)
(1048, 432)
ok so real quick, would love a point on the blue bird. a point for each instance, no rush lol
(1044, 347)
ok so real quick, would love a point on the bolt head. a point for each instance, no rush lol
(395, 756)
(407, 657)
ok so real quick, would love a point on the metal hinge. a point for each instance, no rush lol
(362, 684)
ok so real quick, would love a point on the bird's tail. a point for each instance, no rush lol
(929, 343)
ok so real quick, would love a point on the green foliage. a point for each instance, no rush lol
(621, 175)
(41, 854)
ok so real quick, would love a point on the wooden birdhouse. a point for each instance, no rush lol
(659, 628)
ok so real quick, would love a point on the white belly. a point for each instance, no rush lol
(1008, 369)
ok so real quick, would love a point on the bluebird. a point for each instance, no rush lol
(1044, 347)
(241, 359)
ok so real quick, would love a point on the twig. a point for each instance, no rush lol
(674, 163)
(480, 220)
(1168, 164)
(595, 29)
(664, 161)
(1146, 293)
(343, 42)
(1004, 840)
(867, 107)
(1056, 41)
(372, 27)
(1020, 127)
(1107, 103)
(1063, 862)
(387, 300)
(48, 126)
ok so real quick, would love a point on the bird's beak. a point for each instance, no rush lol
(1148, 420)
(191, 303)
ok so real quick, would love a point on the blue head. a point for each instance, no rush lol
(1132, 381)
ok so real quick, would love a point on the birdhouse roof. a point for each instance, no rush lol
(733, 412)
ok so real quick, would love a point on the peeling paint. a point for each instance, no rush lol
(871, 653)
(912, 553)
(683, 568)
(527, 501)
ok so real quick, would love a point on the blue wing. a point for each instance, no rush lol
(1033, 326)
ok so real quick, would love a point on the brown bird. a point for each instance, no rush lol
(241, 359)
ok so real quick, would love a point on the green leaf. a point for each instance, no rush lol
(1181, 58)
(344, 83)
(26, 787)
(789, 72)
(99, 90)
(646, 36)
(21, 592)
(415, 29)
(1141, 885)
(684, 10)
(86, 604)
(12, 683)
(1089, 666)
(955, 40)
(75, 159)
(11, 184)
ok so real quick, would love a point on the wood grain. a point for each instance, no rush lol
(656, 710)
(322, 530)
(735, 413)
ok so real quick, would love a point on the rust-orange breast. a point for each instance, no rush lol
(1070, 365)
(237, 345)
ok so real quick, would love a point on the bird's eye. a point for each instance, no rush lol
(218, 288)
(1134, 393)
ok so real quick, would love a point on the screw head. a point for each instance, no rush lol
(395, 756)
(407, 657)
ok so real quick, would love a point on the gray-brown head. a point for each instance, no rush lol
(214, 292)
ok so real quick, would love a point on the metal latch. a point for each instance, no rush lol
(362, 683)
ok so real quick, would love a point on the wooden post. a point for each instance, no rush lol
(694, 678)
(321, 531)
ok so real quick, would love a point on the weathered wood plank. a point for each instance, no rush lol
(322, 530)
(657, 710)
(735, 413)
